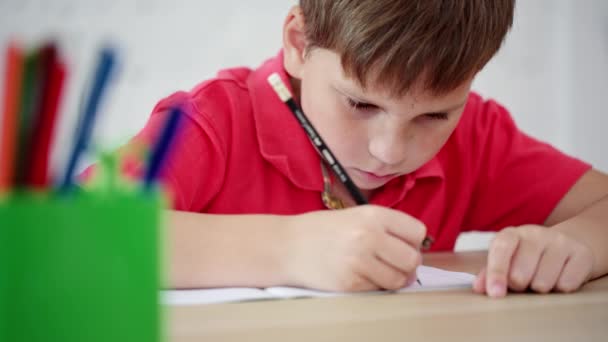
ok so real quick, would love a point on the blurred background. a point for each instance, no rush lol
(552, 73)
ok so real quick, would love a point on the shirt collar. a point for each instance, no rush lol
(284, 143)
(282, 140)
(395, 191)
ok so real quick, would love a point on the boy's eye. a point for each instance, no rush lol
(360, 105)
(436, 116)
(363, 106)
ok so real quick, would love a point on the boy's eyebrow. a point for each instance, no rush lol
(456, 106)
(350, 94)
(355, 97)
(361, 99)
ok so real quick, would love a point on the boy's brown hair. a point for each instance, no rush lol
(437, 44)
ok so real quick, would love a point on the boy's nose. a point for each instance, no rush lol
(390, 149)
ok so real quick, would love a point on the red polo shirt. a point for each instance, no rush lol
(241, 151)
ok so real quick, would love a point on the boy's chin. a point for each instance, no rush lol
(368, 182)
(370, 185)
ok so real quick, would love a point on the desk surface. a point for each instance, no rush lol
(445, 316)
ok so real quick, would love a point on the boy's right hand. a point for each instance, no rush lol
(356, 249)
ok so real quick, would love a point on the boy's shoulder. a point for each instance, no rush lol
(238, 105)
(482, 111)
(228, 90)
(227, 86)
(481, 117)
(484, 127)
(237, 91)
(214, 103)
(227, 81)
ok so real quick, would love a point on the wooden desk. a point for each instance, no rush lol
(446, 316)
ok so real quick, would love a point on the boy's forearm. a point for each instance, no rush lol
(591, 228)
(205, 250)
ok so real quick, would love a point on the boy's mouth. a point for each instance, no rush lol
(375, 177)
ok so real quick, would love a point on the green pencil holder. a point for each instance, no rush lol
(81, 267)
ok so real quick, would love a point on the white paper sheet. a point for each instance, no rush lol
(431, 278)
(216, 295)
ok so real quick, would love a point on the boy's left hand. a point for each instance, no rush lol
(536, 257)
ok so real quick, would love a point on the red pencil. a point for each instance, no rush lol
(44, 123)
(12, 98)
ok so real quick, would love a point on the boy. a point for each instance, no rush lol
(387, 85)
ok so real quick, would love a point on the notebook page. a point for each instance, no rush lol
(431, 278)
(211, 296)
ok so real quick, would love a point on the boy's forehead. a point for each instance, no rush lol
(375, 89)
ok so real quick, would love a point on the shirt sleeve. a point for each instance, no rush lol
(519, 180)
(194, 169)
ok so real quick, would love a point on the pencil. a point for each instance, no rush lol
(53, 74)
(12, 97)
(105, 65)
(162, 147)
(286, 96)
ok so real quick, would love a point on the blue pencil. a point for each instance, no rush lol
(107, 60)
(161, 149)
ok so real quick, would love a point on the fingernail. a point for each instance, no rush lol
(497, 290)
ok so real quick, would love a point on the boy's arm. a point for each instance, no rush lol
(583, 215)
(355, 249)
(225, 250)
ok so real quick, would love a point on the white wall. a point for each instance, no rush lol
(552, 73)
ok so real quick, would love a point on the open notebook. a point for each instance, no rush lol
(432, 279)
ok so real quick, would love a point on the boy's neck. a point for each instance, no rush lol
(295, 86)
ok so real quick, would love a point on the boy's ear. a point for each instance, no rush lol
(294, 42)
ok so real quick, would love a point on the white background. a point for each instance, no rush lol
(552, 72)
